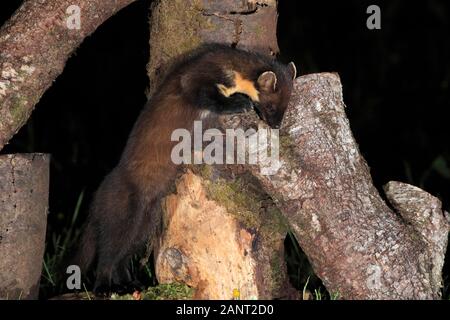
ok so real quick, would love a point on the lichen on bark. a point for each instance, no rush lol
(168, 19)
(35, 44)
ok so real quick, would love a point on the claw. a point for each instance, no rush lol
(259, 112)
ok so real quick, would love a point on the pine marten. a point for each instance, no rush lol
(211, 80)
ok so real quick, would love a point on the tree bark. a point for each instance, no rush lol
(24, 183)
(181, 25)
(34, 47)
(357, 245)
(219, 235)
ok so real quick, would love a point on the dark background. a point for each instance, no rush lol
(395, 80)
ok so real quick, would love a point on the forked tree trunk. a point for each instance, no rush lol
(222, 234)
(24, 183)
(357, 245)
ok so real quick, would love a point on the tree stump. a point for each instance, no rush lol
(24, 185)
(222, 236)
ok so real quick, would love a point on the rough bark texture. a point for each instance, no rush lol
(34, 47)
(181, 25)
(218, 236)
(24, 183)
(357, 245)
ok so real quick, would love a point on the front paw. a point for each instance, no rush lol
(102, 291)
(132, 286)
(237, 103)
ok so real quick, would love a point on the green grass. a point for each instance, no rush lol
(86, 292)
(57, 248)
(60, 243)
(171, 291)
(334, 296)
(302, 275)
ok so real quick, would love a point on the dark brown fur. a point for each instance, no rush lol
(125, 209)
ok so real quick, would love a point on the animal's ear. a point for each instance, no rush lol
(292, 70)
(267, 81)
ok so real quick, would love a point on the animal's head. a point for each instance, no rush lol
(275, 87)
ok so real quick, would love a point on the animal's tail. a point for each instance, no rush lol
(83, 256)
(86, 251)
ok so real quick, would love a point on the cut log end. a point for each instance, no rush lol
(210, 248)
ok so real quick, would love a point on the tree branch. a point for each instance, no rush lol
(34, 47)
